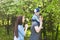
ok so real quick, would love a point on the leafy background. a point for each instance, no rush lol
(50, 10)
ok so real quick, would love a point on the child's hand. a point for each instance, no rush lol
(26, 26)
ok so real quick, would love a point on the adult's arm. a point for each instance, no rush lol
(38, 28)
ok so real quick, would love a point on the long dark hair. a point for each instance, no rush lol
(18, 22)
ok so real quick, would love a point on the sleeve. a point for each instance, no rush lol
(21, 30)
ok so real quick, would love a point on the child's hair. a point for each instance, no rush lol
(18, 21)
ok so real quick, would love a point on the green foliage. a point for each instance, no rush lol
(50, 10)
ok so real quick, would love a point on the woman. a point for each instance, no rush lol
(20, 31)
(36, 25)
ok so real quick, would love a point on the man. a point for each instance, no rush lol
(36, 25)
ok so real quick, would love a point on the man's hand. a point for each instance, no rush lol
(41, 22)
(41, 27)
(41, 18)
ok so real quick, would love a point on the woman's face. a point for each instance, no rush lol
(23, 19)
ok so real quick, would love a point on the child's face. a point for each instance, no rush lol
(37, 13)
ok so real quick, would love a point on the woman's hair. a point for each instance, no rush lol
(18, 22)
